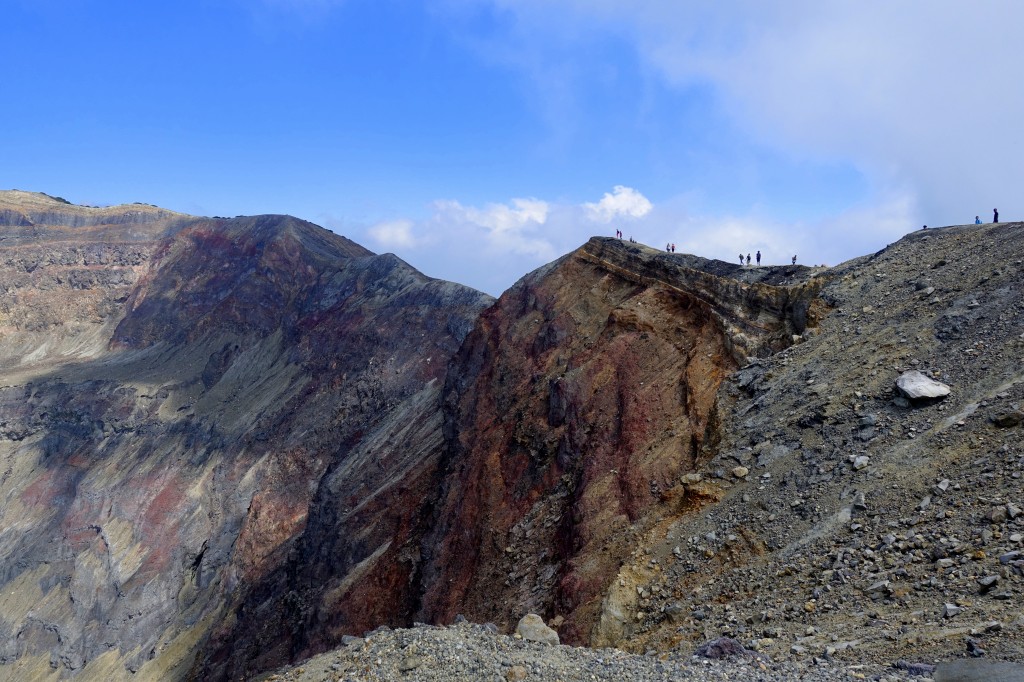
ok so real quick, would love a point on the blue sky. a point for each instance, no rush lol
(479, 139)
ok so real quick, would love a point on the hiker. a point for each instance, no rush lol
(673, 248)
(748, 259)
(794, 260)
(741, 260)
(668, 248)
(977, 220)
(758, 259)
(995, 215)
(924, 227)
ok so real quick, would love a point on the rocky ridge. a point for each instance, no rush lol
(220, 457)
(855, 524)
(835, 527)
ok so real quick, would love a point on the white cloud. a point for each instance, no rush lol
(394, 234)
(920, 97)
(621, 202)
(498, 218)
(491, 247)
(505, 228)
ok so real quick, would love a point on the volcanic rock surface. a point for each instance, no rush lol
(572, 410)
(173, 391)
(229, 444)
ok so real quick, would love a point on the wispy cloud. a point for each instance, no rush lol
(393, 234)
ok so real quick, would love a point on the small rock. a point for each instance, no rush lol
(974, 649)
(881, 586)
(996, 514)
(675, 612)
(516, 673)
(740, 472)
(1012, 510)
(861, 462)
(988, 582)
(950, 610)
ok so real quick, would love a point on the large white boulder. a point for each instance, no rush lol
(916, 385)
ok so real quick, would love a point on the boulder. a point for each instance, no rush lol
(916, 386)
(1008, 420)
(721, 648)
(531, 627)
(979, 671)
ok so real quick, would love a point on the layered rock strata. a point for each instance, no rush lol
(572, 410)
(174, 391)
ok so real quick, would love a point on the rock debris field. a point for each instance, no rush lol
(470, 653)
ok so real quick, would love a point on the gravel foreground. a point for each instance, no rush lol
(470, 652)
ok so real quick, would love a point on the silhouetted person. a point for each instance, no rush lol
(759, 258)
(977, 220)
(748, 259)
(794, 260)
(673, 248)
(741, 259)
(924, 227)
(995, 215)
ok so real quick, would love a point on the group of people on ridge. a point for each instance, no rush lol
(671, 248)
(995, 217)
(758, 256)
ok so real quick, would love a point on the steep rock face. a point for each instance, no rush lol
(164, 432)
(863, 514)
(572, 409)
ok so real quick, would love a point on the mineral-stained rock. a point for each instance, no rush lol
(175, 390)
(555, 408)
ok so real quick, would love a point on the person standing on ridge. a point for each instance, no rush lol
(995, 215)
(741, 260)
(758, 259)
(977, 220)
(794, 260)
(748, 259)
(673, 248)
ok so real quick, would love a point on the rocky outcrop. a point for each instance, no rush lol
(228, 444)
(176, 391)
(571, 412)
